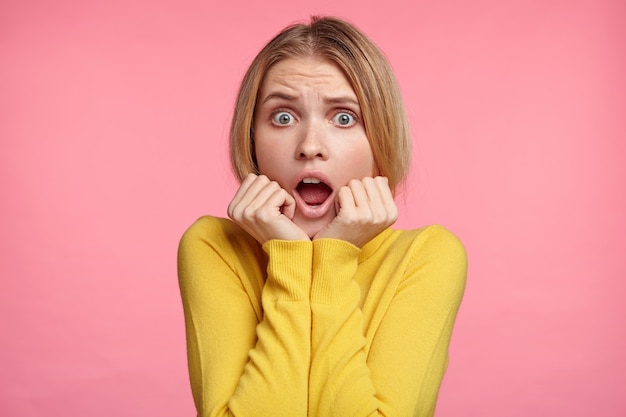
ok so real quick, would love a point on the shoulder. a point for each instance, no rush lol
(210, 226)
(434, 240)
(437, 250)
(217, 233)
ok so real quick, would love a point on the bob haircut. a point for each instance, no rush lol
(367, 71)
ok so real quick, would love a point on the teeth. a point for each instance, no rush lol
(311, 180)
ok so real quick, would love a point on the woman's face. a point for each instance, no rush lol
(309, 136)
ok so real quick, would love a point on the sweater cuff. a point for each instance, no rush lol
(288, 269)
(334, 264)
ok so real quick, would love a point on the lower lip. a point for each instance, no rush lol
(313, 212)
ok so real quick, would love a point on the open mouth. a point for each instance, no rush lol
(313, 191)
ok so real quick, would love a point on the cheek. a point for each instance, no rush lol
(265, 162)
(269, 159)
(358, 155)
(361, 161)
(262, 151)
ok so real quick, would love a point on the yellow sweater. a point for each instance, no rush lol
(318, 328)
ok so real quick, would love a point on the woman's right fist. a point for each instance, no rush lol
(265, 210)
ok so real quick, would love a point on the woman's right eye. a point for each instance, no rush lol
(283, 118)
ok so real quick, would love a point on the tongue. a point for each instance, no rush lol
(314, 194)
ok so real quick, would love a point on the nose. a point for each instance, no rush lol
(311, 142)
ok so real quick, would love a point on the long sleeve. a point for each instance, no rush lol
(340, 381)
(390, 360)
(409, 354)
(242, 361)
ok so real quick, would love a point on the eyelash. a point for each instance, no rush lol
(355, 118)
(276, 113)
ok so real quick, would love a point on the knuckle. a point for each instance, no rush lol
(248, 213)
(273, 185)
(379, 218)
(368, 181)
(234, 212)
(365, 217)
(353, 182)
(263, 217)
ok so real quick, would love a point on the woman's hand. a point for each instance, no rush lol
(364, 209)
(264, 210)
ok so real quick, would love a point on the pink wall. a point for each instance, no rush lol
(113, 124)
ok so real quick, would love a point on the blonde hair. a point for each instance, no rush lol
(367, 71)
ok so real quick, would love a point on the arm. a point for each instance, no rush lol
(243, 361)
(340, 382)
(400, 373)
(409, 354)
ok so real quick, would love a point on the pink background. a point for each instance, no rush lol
(113, 125)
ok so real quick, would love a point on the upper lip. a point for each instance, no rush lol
(312, 174)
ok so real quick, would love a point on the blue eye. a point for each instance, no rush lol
(344, 119)
(282, 118)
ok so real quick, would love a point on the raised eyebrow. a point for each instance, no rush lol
(331, 100)
(278, 96)
(342, 100)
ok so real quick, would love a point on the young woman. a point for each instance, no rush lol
(306, 302)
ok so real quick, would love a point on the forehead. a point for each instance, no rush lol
(307, 72)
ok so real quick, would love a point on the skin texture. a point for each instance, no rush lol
(308, 125)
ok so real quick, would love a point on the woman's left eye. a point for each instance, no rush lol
(344, 119)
